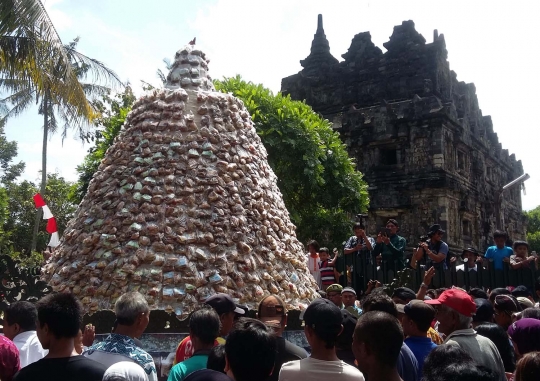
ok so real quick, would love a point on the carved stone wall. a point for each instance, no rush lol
(417, 133)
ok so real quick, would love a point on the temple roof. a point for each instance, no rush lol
(320, 49)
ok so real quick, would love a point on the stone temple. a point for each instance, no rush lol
(184, 205)
(417, 133)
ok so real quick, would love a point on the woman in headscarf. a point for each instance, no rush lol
(125, 371)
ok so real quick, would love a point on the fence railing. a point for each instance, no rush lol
(365, 268)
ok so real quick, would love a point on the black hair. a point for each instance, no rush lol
(498, 335)
(251, 350)
(478, 293)
(313, 243)
(62, 313)
(204, 324)
(423, 318)
(382, 334)
(498, 291)
(358, 225)
(499, 234)
(324, 250)
(520, 243)
(441, 357)
(441, 290)
(22, 313)
(531, 312)
(464, 372)
(521, 291)
(216, 359)
(393, 222)
(379, 302)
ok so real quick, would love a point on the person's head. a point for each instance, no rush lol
(528, 368)
(250, 351)
(498, 291)
(499, 237)
(435, 233)
(403, 295)
(521, 248)
(19, 317)
(216, 359)
(357, 228)
(455, 310)
(125, 371)
(464, 372)
(324, 253)
(348, 297)
(522, 291)
(204, 326)
(478, 293)
(379, 302)
(225, 307)
(498, 335)
(377, 341)
(505, 306)
(313, 247)
(524, 302)
(392, 226)
(322, 324)
(59, 319)
(533, 313)
(132, 312)
(345, 339)
(525, 334)
(484, 312)
(443, 356)
(417, 318)
(273, 313)
(469, 256)
(333, 293)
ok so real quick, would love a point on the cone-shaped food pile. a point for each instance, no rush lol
(183, 206)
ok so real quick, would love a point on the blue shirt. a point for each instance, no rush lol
(407, 365)
(420, 347)
(493, 252)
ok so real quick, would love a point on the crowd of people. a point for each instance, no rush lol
(450, 335)
(388, 250)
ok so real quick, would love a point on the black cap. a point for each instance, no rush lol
(484, 310)
(223, 304)
(322, 315)
(207, 375)
(470, 249)
(434, 229)
(521, 291)
(404, 293)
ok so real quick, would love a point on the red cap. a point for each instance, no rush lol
(457, 300)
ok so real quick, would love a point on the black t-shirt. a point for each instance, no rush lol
(286, 352)
(75, 368)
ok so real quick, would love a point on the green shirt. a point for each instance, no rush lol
(394, 251)
(192, 364)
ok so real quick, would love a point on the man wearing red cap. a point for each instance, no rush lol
(455, 310)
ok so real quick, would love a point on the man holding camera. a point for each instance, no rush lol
(360, 245)
(391, 247)
(435, 249)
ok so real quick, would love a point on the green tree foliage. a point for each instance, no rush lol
(533, 230)
(20, 220)
(8, 150)
(113, 111)
(321, 187)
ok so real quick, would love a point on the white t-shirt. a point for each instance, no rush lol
(30, 349)
(310, 369)
(313, 266)
(462, 267)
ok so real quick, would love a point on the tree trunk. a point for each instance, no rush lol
(43, 167)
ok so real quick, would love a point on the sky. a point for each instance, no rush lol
(491, 43)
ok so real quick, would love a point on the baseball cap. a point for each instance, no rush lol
(323, 315)
(223, 304)
(348, 289)
(400, 308)
(456, 299)
(521, 291)
(334, 288)
(271, 311)
(525, 333)
(484, 310)
(525, 302)
(404, 293)
(506, 303)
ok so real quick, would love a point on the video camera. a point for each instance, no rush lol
(423, 239)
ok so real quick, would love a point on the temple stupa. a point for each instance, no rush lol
(184, 205)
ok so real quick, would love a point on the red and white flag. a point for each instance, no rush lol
(52, 229)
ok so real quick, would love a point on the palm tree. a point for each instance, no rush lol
(35, 66)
